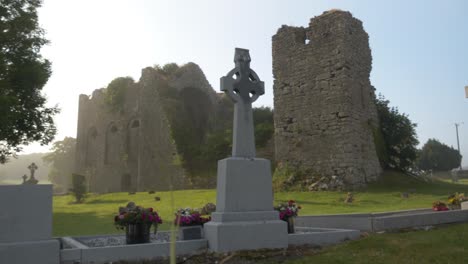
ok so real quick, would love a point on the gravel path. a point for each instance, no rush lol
(160, 237)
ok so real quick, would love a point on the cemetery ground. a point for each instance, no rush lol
(443, 244)
(96, 214)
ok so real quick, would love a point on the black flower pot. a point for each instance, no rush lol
(137, 233)
(290, 221)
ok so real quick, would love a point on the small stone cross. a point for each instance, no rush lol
(32, 168)
(24, 178)
(243, 87)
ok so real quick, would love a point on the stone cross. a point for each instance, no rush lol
(24, 178)
(32, 168)
(243, 87)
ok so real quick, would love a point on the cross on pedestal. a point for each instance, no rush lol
(32, 168)
(244, 217)
(243, 87)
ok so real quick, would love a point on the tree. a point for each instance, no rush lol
(398, 136)
(438, 156)
(23, 73)
(79, 187)
(62, 160)
(263, 122)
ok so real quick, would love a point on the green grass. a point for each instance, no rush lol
(95, 215)
(443, 245)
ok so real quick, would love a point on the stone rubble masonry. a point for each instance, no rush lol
(324, 102)
(132, 149)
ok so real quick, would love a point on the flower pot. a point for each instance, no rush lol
(137, 233)
(290, 221)
(190, 232)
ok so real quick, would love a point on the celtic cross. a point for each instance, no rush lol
(243, 87)
(32, 168)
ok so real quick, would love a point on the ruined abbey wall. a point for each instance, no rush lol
(324, 103)
(129, 149)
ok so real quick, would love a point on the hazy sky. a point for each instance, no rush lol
(419, 49)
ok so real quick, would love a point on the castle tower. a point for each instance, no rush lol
(325, 114)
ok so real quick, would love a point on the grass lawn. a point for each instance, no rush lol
(446, 244)
(95, 215)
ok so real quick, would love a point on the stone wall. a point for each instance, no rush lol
(324, 103)
(132, 148)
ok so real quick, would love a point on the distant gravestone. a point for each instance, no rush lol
(24, 178)
(244, 217)
(32, 168)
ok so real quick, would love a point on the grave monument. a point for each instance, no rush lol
(244, 217)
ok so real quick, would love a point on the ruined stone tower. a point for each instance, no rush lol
(325, 113)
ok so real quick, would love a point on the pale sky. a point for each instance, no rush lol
(419, 49)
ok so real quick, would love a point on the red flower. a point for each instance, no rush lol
(151, 209)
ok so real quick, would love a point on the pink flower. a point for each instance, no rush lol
(121, 216)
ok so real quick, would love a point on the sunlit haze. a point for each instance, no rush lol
(419, 50)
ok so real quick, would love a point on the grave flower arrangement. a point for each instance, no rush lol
(439, 206)
(455, 200)
(134, 215)
(288, 210)
(190, 217)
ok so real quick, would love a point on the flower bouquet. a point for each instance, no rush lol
(455, 200)
(137, 221)
(287, 212)
(190, 223)
(189, 217)
(439, 206)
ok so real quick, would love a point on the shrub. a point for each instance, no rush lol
(79, 187)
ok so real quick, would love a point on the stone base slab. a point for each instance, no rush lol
(240, 235)
(244, 216)
(244, 185)
(35, 252)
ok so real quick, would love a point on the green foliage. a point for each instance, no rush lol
(399, 135)
(189, 117)
(281, 174)
(438, 156)
(202, 130)
(263, 121)
(23, 73)
(79, 187)
(115, 92)
(62, 160)
(379, 143)
(168, 69)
